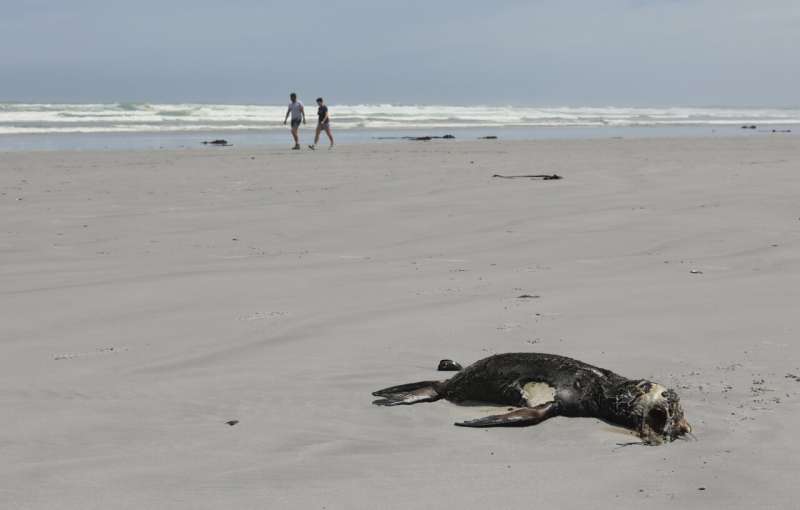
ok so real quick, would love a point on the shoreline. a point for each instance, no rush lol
(179, 140)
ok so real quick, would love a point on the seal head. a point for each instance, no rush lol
(652, 410)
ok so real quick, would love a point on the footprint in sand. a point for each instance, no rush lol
(508, 326)
(96, 352)
(260, 316)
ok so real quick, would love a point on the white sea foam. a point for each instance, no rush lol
(16, 118)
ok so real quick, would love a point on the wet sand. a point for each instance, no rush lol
(147, 298)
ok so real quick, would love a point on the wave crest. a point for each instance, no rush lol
(146, 117)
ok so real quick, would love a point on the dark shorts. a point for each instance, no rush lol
(324, 125)
(296, 123)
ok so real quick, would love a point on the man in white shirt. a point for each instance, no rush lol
(298, 114)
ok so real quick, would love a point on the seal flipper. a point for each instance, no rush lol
(406, 394)
(518, 418)
(405, 388)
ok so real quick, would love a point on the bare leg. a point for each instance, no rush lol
(296, 137)
(316, 135)
(327, 132)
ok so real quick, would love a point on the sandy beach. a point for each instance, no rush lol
(149, 297)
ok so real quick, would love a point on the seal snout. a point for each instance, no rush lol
(683, 427)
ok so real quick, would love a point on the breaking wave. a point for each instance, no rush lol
(20, 118)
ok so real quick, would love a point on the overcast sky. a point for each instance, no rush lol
(548, 52)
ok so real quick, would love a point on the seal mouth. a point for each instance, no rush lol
(659, 426)
(656, 420)
(661, 416)
(653, 427)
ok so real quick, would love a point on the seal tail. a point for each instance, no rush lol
(407, 394)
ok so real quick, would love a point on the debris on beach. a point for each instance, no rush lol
(425, 138)
(749, 126)
(695, 271)
(542, 177)
(428, 138)
(221, 142)
(448, 365)
(528, 296)
(96, 352)
(231, 422)
(490, 137)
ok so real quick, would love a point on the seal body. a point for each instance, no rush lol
(524, 379)
(542, 386)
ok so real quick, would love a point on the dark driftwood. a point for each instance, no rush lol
(425, 138)
(543, 177)
(428, 138)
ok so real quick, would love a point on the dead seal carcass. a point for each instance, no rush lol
(546, 385)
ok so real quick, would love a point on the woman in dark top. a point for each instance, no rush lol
(323, 123)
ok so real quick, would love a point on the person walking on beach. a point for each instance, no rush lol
(298, 114)
(323, 124)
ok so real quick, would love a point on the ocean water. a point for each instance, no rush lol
(132, 125)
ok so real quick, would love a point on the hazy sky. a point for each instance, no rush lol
(548, 52)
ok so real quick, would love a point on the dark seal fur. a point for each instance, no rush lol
(543, 386)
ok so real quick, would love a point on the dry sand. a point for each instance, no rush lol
(149, 297)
